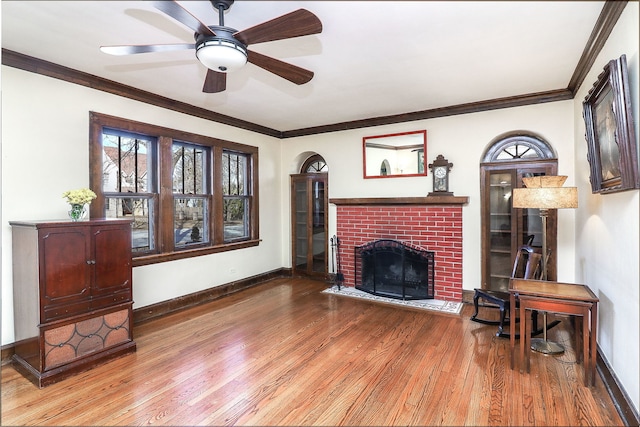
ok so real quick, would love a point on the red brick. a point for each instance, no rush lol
(434, 228)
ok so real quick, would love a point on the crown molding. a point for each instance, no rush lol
(35, 65)
(607, 20)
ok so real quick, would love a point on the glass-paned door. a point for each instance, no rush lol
(500, 228)
(505, 228)
(309, 226)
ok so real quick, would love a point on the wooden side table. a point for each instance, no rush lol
(561, 298)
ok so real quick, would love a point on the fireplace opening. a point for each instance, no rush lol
(394, 269)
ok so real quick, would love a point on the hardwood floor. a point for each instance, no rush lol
(283, 353)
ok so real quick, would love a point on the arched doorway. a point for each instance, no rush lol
(507, 159)
(309, 228)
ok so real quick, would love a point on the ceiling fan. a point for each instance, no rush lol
(223, 49)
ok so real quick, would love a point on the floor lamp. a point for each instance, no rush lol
(544, 193)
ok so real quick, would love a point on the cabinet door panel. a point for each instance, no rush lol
(65, 273)
(112, 256)
(301, 225)
(318, 242)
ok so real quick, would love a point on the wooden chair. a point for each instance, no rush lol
(527, 265)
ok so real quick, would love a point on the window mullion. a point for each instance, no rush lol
(165, 202)
(119, 164)
(135, 166)
(237, 157)
(217, 219)
(195, 171)
(182, 166)
(230, 190)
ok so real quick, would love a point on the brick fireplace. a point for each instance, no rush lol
(433, 223)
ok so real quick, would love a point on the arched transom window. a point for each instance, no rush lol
(518, 147)
(314, 164)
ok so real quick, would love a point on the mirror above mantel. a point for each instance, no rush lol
(395, 155)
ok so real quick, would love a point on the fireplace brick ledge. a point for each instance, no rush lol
(429, 200)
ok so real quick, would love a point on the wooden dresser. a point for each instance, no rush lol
(72, 296)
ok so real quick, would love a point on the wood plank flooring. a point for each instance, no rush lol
(283, 353)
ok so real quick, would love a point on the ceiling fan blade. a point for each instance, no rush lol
(295, 24)
(214, 82)
(285, 70)
(182, 15)
(145, 48)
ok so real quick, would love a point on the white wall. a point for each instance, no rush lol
(607, 238)
(462, 140)
(45, 151)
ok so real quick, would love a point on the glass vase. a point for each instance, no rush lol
(77, 212)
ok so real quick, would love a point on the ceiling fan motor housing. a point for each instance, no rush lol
(224, 4)
(222, 52)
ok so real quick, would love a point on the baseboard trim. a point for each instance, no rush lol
(620, 398)
(153, 311)
(467, 296)
(6, 353)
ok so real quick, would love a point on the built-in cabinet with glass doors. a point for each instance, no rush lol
(504, 228)
(309, 223)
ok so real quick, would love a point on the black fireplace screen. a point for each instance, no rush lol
(393, 269)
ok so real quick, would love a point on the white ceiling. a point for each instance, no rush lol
(372, 58)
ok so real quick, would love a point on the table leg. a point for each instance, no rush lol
(523, 320)
(578, 331)
(592, 341)
(512, 327)
(527, 342)
(586, 343)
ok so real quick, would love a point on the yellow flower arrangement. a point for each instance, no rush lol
(80, 196)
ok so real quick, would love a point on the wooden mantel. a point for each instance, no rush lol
(429, 200)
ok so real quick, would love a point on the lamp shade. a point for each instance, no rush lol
(545, 192)
(544, 181)
(220, 55)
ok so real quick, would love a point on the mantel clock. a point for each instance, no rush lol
(440, 171)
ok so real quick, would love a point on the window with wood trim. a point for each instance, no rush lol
(191, 194)
(129, 184)
(236, 196)
(187, 194)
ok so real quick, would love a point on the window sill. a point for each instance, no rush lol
(191, 253)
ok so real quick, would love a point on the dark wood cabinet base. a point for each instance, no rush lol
(43, 379)
(77, 344)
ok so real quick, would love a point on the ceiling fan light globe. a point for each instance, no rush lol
(223, 56)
